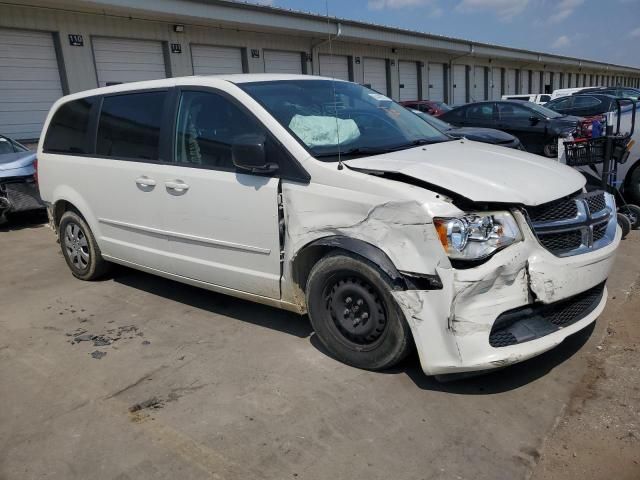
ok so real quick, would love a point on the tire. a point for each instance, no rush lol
(550, 150)
(625, 224)
(79, 248)
(632, 186)
(354, 314)
(632, 212)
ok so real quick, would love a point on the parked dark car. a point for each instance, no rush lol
(18, 188)
(537, 127)
(431, 107)
(583, 104)
(484, 135)
(620, 92)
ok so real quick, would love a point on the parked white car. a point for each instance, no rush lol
(565, 92)
(539, 98)
(322, 196)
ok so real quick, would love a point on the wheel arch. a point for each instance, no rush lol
(310, 254)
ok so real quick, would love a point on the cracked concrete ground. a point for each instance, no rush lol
(208, 386)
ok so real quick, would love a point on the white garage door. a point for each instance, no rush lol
(524, 81)
(121, 60)
(408, 73)
(276, 61)
(436, 82)
(511, 82)
(496, 83)
(29, 82)
(478, 84)
(459, 85)
(210, 60)
(334, 66)
(375, 74)
(535, 82)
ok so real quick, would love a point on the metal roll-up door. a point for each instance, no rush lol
(334, 66)
(555, 82)
(511, 82)
(524, 82)
(495, 90)
(436, 81)
(408, 74)
(479, 84)
(212, 60)
(459, 85)
(29, 81)
(277, 61)
(375, 74)
(121, 60)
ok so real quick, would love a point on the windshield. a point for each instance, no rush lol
(330, 117)
(547, 112)
(433, 121)
(443, 106)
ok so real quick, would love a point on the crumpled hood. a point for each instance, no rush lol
(489, 135)
(480, 172)
(22, 161)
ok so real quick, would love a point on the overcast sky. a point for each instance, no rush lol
(605, 30)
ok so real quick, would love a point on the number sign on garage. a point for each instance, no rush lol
(213, 60)
(29, 81)
(334, 66)
(121, 60)
(278, 61)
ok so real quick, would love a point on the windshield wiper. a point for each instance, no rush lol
(356, 151)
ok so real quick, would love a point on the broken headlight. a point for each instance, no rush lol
(475, 236)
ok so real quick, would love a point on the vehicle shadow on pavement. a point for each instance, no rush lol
(219, 304)
(497, 381)
(22, 221)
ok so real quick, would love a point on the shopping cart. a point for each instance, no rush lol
(609, 151)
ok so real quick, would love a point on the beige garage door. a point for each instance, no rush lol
(121, 60)
(334, 66)
(29, 82)
(375, 74)
(211, 60)
(408, 74)
(277, 61)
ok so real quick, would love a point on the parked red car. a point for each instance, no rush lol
(431, 107)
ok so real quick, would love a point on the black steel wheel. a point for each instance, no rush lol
(354, 314)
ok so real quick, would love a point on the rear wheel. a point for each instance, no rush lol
(80, 249)
(354, 314)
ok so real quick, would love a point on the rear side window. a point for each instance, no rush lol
(68, 129)
(585, 101)
(129, 126)
(545, 98)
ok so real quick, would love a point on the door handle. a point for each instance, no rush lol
(145, 181)
(177, 186)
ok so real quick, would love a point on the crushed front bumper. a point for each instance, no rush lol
(452, 327)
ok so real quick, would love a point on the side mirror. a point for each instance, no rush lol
(534, 120)
(248, 153)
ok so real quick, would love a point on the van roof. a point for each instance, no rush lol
(203, 80)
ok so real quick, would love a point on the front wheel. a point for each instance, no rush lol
(354, 314)
(632, 212)
(550, 150)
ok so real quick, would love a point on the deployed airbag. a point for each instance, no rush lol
(317, 131)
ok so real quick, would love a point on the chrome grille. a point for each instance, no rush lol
(576, 224)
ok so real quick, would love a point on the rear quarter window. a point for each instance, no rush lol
(67, 132)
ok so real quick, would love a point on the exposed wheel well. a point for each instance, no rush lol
(305, 260)
(59, 208)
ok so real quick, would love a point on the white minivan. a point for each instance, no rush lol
(324, 197)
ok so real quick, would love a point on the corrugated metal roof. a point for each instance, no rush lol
(346, 21)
